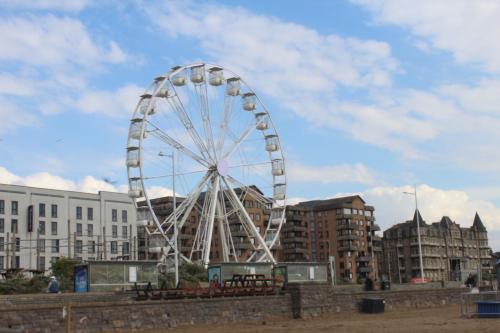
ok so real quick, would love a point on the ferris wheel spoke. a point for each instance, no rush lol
(181, 113)
(248, 130)
(248, 221)
(228, 111)
(201, 91)
(177, 145)
(253, 192)
(187, 204)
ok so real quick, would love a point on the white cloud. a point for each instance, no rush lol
(119, 103)
(88, 184)
(53, 41)
(357, 173)
(51, 181)
(68, 6)
(303, 69)
(467, 29)
(13, 116)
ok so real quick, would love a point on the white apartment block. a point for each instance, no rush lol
(40, 225)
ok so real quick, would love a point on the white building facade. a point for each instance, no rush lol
(39, 225)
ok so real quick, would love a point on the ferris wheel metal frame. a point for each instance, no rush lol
(211, 153)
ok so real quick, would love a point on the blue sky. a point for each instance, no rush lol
(368, 97)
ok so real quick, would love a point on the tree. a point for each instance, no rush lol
(63, 269)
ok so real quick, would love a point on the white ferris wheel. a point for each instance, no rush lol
(225, 149)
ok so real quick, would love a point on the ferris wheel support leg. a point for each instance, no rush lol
(249, 222)
(222, 234)
(210, 227)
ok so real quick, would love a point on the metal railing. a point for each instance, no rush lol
(480, 304)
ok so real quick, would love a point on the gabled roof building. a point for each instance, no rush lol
(449, 251)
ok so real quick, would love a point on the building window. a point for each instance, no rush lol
(55, 246)
(41, 245)
(90, 213)
(114, 215)
(41, 210)
(90, 230)
(13, 226)
(41, 227)
(125, 248)
(78, 213)
(91, 246)
(2, 262)
(14, 208)
(18, 244)
(41, 263)
(2, 207)
(257, 217)
(114, 247)
(2, 244)
(18, 262)
(124, 231)
(53, 211)
(78, 229)
(2, 225)
(114, 231)
(53, 228)
(124, 216)
(78, 247)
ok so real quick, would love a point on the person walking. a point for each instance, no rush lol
(54, 287)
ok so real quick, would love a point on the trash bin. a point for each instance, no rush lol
(373, 305)
(385, 285)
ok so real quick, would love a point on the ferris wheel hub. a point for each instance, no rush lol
(223, 167)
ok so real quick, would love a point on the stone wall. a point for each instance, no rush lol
(132, 315)
(310, 300)
(100, 312)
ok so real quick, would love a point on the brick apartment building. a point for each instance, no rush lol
(449, 252)
(314, 230)
(342, 227)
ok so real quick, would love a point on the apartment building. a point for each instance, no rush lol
(258, 211)
(449, 251)
(40, 225)
(342, 227)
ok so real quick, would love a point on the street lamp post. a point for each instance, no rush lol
(331, 261)
(174, 204)
(418, 233)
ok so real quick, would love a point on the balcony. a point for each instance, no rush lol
(347, 237)
(294, 239)
(377, 248)
(349, 248)
(292, 227)
(295, 250)
(242, 246)
(239, 233)
(364, 258)
(347, 226)
(365, 269)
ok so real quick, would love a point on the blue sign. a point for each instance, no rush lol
(81, 279)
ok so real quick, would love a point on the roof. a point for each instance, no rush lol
(420, 219)
(478, 224)
(445, 222)
(330, 203)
